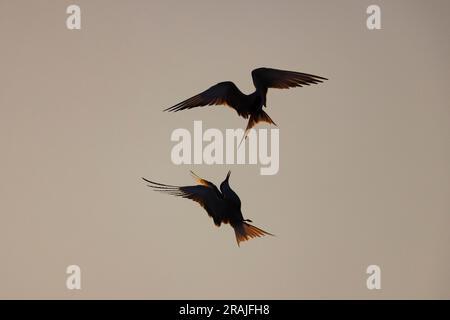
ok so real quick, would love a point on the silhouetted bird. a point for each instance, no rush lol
(227, 93)
(222, 206)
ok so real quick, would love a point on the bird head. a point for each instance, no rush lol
(228, 193)
(225, 183)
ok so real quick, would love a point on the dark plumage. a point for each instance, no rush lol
(223, 206)
(227, 93)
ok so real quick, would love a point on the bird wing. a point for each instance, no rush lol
(223, 93)
(202, 181)
(264, 78)
(206, 196)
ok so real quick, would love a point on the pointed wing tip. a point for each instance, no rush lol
(195, 176)
(150, 183)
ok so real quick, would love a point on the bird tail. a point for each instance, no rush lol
(245, 231)
(255, 118)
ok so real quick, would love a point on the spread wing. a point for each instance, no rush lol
(264, 78)
(223, 93)
(205, 183)
(206, 196)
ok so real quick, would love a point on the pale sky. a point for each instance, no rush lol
(364, 172)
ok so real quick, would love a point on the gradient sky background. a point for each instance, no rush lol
(364, 158)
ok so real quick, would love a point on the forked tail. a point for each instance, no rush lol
(255, 118)
(245, 231)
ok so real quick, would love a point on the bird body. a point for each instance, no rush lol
(223, 206)
(249, 106)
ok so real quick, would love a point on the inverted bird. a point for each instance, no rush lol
(223, 206)
(249, 106)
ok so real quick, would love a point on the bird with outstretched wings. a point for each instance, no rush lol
(249, 106)
(223, 206)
